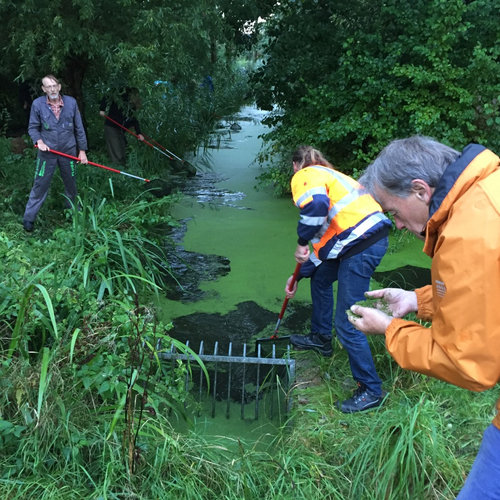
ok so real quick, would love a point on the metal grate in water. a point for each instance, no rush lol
(271, 364)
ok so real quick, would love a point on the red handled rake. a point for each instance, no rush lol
(157, 187)
(190, 168)
(283, 309)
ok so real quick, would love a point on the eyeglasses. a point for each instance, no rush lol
(50, 86)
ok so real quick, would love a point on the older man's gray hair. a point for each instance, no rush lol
(404, 160)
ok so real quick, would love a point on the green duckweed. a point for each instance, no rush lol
(375, 303)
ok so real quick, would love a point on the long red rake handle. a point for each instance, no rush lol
(97, 165)
(285, 302)
(136, 136)
(163, 147)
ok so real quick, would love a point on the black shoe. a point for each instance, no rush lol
(361, 400)
(28, 225)
(313, 341)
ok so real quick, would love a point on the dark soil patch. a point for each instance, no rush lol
(407, 277)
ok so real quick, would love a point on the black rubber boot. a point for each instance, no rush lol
(313, 341)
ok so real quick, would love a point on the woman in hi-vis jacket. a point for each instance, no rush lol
(349, 235)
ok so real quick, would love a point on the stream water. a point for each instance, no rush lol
(234, 253)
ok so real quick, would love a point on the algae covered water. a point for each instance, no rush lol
(235, 252)
(236, 247)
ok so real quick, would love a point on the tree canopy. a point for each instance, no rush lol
(348, 77)
(119, 43)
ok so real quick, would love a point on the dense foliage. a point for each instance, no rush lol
(99, 48)
(348, 77)
(84, 400)
(135, 42)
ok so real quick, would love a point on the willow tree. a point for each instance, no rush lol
(109, 40)
(350, 76)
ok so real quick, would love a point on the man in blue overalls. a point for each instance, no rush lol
(55, 123)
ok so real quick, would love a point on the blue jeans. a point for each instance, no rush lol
(353, 275)
(483, 481)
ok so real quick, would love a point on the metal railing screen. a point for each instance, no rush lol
(231, 376)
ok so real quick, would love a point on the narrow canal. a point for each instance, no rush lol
(235, 249)
(234, 253)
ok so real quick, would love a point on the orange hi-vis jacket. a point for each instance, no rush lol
(462, 346)
(336, 213)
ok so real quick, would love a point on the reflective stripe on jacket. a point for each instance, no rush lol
(462, 346)
(335, 211)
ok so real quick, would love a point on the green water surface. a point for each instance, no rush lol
(258, 236)
(259, 241)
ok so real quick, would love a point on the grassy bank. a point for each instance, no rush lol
(84, 401)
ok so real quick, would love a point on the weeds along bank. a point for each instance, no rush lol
(84, 401)
(77, 343)
(79, 374)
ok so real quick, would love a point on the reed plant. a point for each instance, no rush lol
(110, 245)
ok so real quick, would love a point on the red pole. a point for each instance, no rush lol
(135, 135)
(285, 302)
(96, 165)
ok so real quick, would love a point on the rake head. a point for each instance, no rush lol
(158, 188)
(183, 167)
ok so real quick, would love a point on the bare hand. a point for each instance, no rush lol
(42, 146)
(399, 302)
(302, 254)
(370, 321)
(83, 157)
(290, 292)
(102, 113)
(141, 137)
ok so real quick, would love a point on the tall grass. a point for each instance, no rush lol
(111, 245)
(417, 446)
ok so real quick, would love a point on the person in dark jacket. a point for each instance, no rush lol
(122, 114)
(55, 123)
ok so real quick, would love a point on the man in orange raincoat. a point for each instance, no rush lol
(452, 201)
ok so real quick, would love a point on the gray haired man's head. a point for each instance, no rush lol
(404, 160)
